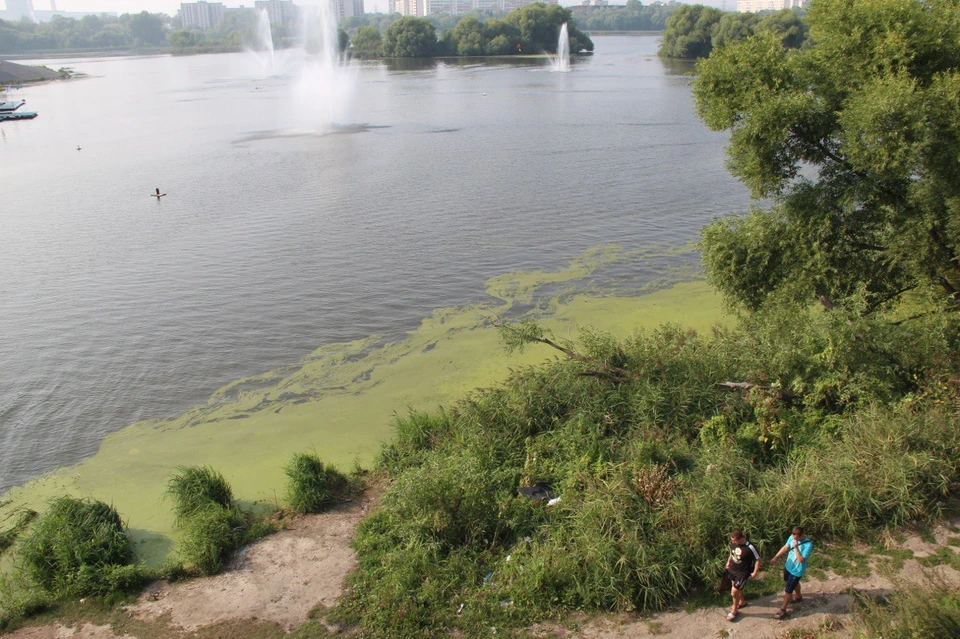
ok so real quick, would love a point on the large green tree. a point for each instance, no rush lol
(469, 37)
(539, 25)
(788, 24)
(146, 29)
(367, 42)
(733, 27)
(410, 38)
(689, 32)
(856, 143)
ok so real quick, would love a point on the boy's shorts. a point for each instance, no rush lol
(791, 582)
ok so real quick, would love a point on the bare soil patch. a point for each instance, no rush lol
(279, 579)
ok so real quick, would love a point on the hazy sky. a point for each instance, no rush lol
(171, 6)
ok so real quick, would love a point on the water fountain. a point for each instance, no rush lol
(264, 40)
(326, 82)
(314, 80)
(561, 62)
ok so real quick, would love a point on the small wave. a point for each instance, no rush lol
(277, 134)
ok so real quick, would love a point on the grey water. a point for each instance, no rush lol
(278, 235)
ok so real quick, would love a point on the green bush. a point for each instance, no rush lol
(78, 548)
(311, 487)
(193, 488)
(210, 534)
(928, 610)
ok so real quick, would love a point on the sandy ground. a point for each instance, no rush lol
(281, 578)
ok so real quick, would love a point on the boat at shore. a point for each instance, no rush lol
(11, 105)
(22, 115)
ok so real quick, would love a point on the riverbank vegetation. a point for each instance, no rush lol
(81, 548)
(532, 29)
(654, 462)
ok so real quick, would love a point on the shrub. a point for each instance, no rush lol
(210, 534)
(654, 465)
(195, 487)
(77, 548)
(311, 486)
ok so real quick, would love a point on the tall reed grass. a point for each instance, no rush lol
(210, 534)
(193, 488)
(930, 609)
(311, 486)
(78, 547)
(211, 526)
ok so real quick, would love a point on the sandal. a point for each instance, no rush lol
(798, 600)
(731, 616)
(780, 614)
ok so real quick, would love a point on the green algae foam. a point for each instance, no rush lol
(339, 399)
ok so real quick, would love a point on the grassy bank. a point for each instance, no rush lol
(850, 429)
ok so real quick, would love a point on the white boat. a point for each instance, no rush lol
(11, 105)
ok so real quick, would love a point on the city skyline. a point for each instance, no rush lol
(172, 6)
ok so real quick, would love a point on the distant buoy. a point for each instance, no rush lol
(78, 147)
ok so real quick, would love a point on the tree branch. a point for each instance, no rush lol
(873, 307)
(782, 392)
(952, 309)
(613, 373)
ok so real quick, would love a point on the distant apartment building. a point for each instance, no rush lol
(349, 9)
(279, 11)
(20, 9)
(595, 3)
(201, 15)
(458, 7)
(415, 8)
(754, 6)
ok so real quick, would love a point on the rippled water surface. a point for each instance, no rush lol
(276, 237)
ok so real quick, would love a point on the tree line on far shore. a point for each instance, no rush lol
(529, 30)
(694, 31)
(473, 33)
(128, 31)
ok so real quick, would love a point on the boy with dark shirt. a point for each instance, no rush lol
(743, 564)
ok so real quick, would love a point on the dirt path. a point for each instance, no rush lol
(279, 580)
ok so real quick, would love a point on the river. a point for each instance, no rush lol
(276, 236)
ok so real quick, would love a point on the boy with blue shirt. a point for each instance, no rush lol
(797, 548)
